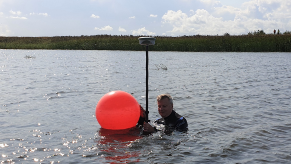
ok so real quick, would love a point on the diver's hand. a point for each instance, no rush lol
(148, 128)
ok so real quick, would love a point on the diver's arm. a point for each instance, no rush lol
(182, 125)
(148, 128)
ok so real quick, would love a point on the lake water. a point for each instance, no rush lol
(237, 106)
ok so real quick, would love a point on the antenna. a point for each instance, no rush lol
(147, 41)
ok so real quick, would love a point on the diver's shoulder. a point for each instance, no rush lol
(160, 121)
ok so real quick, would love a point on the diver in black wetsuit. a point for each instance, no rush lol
(171, 119)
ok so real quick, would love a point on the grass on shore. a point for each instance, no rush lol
(253, 42)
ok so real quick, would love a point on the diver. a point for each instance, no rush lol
(170, 119)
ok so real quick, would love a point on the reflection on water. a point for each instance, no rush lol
(115, 145)
(237, 106)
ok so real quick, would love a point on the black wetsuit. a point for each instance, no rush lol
(173, 122)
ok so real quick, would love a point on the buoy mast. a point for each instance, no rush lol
(147, 41)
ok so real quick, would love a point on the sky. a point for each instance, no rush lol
(37, 18)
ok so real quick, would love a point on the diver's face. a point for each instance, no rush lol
(165, 107)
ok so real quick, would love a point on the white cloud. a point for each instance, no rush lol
(142, 31)
(17, 17)
(94, 16)
(173, 17)
(44, 14)
(254, 15)
(18, 13)
(15, 12)
(202, 22)
(211, 2)
(227, 10)
(152, 15)
(263, 14)
(105, 28)
(121, 29)
(41, 14)
(133, 17)
(270, 9)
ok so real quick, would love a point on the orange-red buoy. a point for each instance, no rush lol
(117, 110)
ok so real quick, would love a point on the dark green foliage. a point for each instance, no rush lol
(259, 32)
(257, 41)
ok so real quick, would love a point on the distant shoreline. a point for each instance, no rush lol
(195, 43)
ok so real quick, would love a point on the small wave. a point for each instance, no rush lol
(55, 95)
(29, 57)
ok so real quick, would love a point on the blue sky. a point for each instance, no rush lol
(139, 17)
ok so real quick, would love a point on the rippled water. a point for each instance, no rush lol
(237, 106)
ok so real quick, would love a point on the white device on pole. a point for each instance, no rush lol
(147, 41)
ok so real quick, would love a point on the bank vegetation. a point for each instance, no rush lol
(256, 41)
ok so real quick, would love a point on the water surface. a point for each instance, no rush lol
(237, 106)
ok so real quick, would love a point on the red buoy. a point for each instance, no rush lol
(117, 110)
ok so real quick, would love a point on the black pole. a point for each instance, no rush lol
(147, 84)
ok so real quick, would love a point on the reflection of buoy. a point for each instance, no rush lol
(123, 135)
(117, 110)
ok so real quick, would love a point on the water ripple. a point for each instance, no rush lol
(236, 105)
